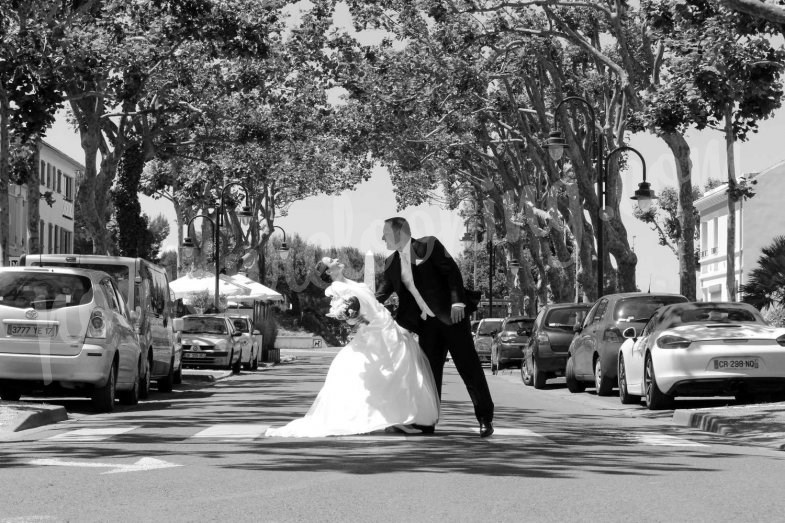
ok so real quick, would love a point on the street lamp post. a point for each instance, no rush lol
(283, 250)
(555, 145)
(245, 218)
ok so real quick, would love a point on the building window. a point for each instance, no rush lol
(49, 239)
(57, 240)
(42, 173)
(40, 236)
(60, 181)
(67, 242)
(69, 188)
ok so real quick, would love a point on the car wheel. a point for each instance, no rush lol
(625, 397)
(144, 380)
(526, 376)
(236, 367)
(178, 375)
(655, 398)
(539, 376)
(103, 397)
(129, 397)
(165, 384)
(602, 384)
(10, 395)
(573, 385)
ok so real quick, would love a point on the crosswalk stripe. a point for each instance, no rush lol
(652, 438)
(92, 434)
(232, 431)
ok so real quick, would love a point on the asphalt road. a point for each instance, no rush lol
(197, 455)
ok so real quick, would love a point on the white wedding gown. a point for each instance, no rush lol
(380, 379)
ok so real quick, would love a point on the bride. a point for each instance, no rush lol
(380, 380)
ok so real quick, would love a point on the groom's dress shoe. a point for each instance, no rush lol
(486, 429)
(425, 429)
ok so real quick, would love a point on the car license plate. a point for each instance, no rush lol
(197, 355)
(41, 331)
(736, 363)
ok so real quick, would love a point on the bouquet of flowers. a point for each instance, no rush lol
(346, 309)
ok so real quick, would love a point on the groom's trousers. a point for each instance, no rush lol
(436, 339)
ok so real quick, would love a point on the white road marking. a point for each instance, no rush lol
(232, 431)
(92, 434)
(143, 464)
(665, 440)
(502, 432)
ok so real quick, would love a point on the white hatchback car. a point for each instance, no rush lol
(701, 349)
(66, 331)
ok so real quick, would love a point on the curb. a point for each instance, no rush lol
(208, 376)
(40, 415)
(704, 421)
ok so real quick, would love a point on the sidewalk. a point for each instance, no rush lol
(760, 424)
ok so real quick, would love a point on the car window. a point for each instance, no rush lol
(118, 272)
(204, 326)
(641, 308)
(515, 325)
(240, 324)
(602, 306)
(680, 315)
(488, 327)
(44, 290)
(564, 319)
(111, 297)
(651, 325)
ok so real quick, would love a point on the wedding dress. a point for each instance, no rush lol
(380, 379)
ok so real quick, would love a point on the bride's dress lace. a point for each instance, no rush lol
(380, 379)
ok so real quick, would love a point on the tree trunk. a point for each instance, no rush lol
(33, 208)
(685, 213)
(730, 274)
(5, 144)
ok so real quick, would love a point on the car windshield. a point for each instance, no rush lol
(204, 326)
(488, 327)
(240, 325)
(565, 318)
(675, 316)
(516, 325)
(640, 309)
(44, 290)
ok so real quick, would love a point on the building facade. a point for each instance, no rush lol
(758, 220)
(60, 175)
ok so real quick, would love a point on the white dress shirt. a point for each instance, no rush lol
(408, 280)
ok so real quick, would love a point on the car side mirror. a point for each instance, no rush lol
(177, 324)
(236, 334)
(577, 328)
(256, 332)
(629, 332)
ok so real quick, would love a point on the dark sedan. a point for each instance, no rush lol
(508, 344)
(545, 356)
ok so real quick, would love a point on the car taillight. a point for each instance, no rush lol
(613, 334)
(673, 342)
(542, 338)
(507, 339)
(781, 340)
(96, 327)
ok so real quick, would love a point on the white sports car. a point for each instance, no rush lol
(701, 349)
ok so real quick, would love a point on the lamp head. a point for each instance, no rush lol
(245, 216)
(644, 196)
(283, 250)
(188, 247)
(556, 144)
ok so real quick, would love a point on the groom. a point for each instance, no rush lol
(432, 303)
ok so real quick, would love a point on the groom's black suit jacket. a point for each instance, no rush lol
(437, 278)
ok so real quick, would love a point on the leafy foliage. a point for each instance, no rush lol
(765, 285)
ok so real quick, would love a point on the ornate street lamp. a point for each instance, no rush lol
(644, 195)
(283, 250)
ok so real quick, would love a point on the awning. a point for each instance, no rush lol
(253, 290)
(237, 287)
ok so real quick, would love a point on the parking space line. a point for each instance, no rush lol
(92, 434)
(651, 438)
(232, 431)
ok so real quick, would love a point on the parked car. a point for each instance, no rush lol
(545, 355)
(210, 341)
(594, 350)
(483, 338)
(701, 349)
(67, 331)
(507, 345)
(250, 339)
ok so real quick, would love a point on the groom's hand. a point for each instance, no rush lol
(457, 312)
